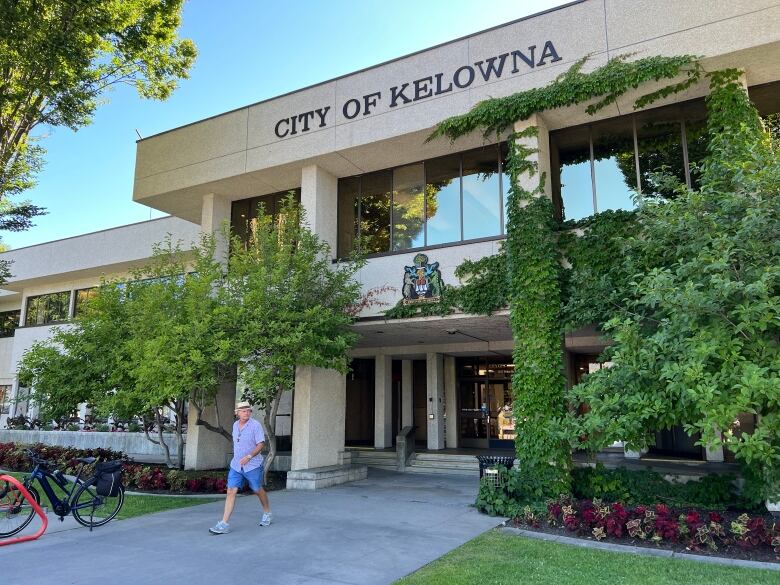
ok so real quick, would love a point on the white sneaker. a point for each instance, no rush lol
(266, 519)
(220, 528)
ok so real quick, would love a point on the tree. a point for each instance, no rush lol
(291, 306)
(57, 60)
(698, 341)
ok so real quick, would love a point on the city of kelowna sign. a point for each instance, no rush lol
(425, 87)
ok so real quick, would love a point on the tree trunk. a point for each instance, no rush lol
(160, 441)
(218, 428)
(180, 434)
(269, 422)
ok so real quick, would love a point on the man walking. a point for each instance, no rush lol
(246, 466)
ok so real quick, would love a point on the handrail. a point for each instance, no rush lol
(36, 507)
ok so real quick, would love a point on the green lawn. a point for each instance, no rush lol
(137, 505)
(495, 558)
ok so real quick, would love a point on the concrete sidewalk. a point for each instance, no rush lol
(371, 531)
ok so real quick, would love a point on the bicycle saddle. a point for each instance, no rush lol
(86, 460)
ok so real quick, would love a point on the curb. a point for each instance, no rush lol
(639, 550)
(196, 496)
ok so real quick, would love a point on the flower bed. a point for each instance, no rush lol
(151, 478)
(754, 537)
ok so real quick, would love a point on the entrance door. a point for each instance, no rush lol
(483, 420)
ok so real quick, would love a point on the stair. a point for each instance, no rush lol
(372, 458)
(444, 464)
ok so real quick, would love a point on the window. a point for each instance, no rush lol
(5, 399)
(83, 296)
(242, 212)
(606, 165)
(439, 201)
(48, 308)
(9, 321)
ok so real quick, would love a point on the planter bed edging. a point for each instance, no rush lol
(651, 552)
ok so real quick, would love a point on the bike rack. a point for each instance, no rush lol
(36, 507)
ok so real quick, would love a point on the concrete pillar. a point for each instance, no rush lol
(435, 384)
(541, 144)
(451, 403)
(83, 412)
(320, 402)
(715, 453)
(206, 449)
(407, 395)
(383, 402)
(319, 199)
(215, 214)
(629, 454)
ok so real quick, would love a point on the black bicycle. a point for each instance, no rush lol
(93, 502)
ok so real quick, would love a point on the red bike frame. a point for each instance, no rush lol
(36, 507)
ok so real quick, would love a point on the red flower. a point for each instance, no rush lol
(715, 517)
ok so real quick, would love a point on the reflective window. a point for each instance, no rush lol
(9, 321)
(5, 398)
(244, 211)
(83, 296)
(375, 197)
(48, 308)
(481, 194)
(505, 184)
(574, 178)
(660, 150)
(614, 164)
(448, 199)
(408, 207)
(443, 205)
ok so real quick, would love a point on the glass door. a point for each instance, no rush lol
(501, 423)
(474, 414)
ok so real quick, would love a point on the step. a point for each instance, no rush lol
(443, 471)
(445, 464)
(446, 457)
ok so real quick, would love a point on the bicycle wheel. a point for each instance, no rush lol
(91, 510)
(16, 512)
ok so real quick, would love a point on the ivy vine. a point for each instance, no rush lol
(532, 256)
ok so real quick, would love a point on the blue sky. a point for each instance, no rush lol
(249, 50)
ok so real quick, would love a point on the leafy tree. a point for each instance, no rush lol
(290, 305)
(57, 60)
(697, 342)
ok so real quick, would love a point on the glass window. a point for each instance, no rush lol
(574, 177)
(481, 194)
(614, 164)
(694, 115)
(82, 297)
(443, 204)
(375, 190)
(9, 321)
(48, 308)
(408, 207)
(246, 210)
(659, 141)
(349, 194)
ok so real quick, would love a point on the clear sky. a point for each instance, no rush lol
(249, 50)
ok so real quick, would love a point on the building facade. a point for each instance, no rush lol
(354, 151)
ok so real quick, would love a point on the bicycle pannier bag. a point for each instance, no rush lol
(109, 478)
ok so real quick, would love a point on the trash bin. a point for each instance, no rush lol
(490, 462)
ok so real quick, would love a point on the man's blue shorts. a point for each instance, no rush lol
(254, 477)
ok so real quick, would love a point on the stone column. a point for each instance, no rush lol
(383, 402)
(320, 402)
(407, 395)
(319, 198)
(451, 403)
(206, 449)
(435, 384)
(715, 453)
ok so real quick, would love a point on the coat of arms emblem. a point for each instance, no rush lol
(422, 282)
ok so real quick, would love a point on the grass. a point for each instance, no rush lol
(136, 505)
(495, 558)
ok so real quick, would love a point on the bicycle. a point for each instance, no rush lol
(80, 498)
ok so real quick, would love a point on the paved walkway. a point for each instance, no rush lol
(371, 531)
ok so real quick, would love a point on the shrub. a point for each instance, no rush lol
(645, 487)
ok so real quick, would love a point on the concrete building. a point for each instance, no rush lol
(354, 149)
